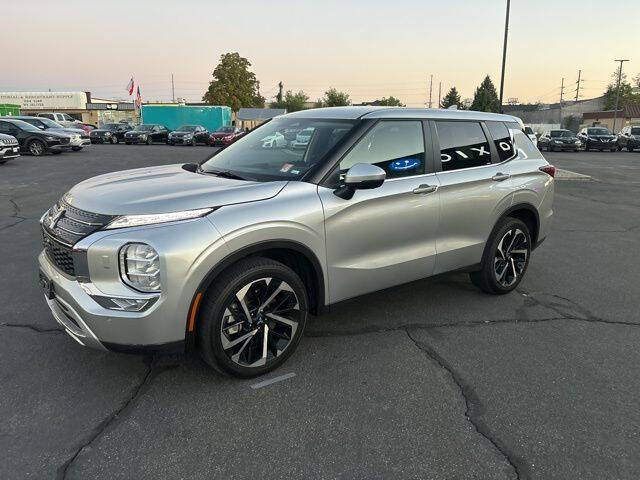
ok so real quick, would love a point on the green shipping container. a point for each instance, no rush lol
(9, 109)
(172, 116)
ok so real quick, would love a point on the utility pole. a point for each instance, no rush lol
(561, 93)
(615, 112)
(173, 90)
(504, 52)
(280, 87)
(439, 94)
(578, 87)
(430, 88)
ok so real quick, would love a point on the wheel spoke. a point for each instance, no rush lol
(227, 344)
(280, 288)
(513, 268)
(504, 270)
(286, 321)
(241, 298)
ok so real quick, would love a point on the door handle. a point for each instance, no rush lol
(499, 177)
(424, 188)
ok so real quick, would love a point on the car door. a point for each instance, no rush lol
(10, 129)
(383, 236)
(475, 188)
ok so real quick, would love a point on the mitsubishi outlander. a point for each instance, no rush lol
(230, 256)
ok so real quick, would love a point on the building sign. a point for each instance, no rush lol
(110, 106)
(46, 100)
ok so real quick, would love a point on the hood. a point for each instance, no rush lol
(602, 137)
(137, 132)
(100, 131)
(58, 133)
(165, 189)
(70, 131)
(221, 134)
(181, 133)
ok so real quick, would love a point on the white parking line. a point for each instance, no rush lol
(273, 380)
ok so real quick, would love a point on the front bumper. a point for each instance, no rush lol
(135, 140)
(566, 146)
(600, 144)
(8, 152)
(77, 302)
(179, 141)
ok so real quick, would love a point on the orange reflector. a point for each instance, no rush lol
(194, 311)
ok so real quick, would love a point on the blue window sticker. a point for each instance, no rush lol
(408, 163)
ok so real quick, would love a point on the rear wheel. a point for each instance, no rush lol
(252, 318)
(36, 148)
(505, 259)
(149, 140)
(193, 142)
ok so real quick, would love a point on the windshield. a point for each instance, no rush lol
(111, 126)
(226, 129)
(561, 133)
(265, 154)
(635, 131)
(187, 128)
(144, 128)
(597, 131)
(528, 130)
(50, 123)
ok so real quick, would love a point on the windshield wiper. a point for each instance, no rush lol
(224, 174)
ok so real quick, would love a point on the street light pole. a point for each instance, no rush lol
(504, 52)
(615, 111)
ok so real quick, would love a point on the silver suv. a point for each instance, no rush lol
(231, 255)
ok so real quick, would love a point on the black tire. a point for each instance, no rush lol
(221, 297)
(76, 149)
(629, 149)
(193, 142)
(36, 148)
(128, 143)
(488, 279)
(149, 140)
(612, 150)
(56, 152)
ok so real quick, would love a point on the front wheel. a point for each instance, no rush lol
(114, 139)
(505, 258)
(36, 148)
(253, 317)
(149, 141)
(193, 142)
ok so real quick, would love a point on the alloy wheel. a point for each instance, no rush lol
(511, 257)
(36, 148)
(260, 322)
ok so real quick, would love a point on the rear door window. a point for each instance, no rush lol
(462, 145)
(502, 140)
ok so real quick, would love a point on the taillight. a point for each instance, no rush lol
(549, 170)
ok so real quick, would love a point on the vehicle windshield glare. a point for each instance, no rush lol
(25, 126)
(144, 128)
(50, 123)
(266, 154)
(561, 133)
(598, 131)
(187, 128)
(226, 129)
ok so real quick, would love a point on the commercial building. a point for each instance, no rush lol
(79, 105)
(252, 117)
(629, 115)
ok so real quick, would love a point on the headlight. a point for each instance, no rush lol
(138, 220)
(107, 134)
(143, 136)
(578, 142)
(51, 139)
(140, 267)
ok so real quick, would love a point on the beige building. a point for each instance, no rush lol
(629, 115)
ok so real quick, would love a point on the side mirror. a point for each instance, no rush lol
(191, 167)
(361, 176)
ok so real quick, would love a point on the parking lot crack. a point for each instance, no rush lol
(35, 328)
(473, 408)
(152, 371)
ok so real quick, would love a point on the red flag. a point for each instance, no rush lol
(130, 86)
(138, 97)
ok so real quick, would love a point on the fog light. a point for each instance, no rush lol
(140, 267)
(125, 304)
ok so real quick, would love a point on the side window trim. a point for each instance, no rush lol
(495, 157)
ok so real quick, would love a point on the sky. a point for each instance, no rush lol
(370, 49)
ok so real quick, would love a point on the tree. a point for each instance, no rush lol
(233, 84)
(387, 102)
(291, 101)
(485, 98)
(334, 98)
(627, 95)
(452, 98)
(572, 122)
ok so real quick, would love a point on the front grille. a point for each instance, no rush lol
(63, 226)
(64, 140)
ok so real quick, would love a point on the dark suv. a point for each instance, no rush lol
(598, 138)
(110, 133)
(629, 138)
(559, 140)
(79, 138)
(148, 134)
(34, 140)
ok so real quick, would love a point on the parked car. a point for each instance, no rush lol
(110, 133)
(531, 134)
(230, 256)
(275, 140)
(302, 138)
(79, 138)
(147, 133)
(9, 148)
(189, 135)
(33, 140)
(560, 139)
(629, 138)
(62, 118)
(225, 136)
(598, 138)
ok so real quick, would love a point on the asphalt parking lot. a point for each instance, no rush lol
(430, 380)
